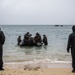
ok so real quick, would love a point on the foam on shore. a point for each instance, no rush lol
(38, 63)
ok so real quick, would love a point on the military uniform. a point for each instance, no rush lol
(71, 45)
(2, 40)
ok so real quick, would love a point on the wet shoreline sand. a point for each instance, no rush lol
(37, 69)
(22, 65)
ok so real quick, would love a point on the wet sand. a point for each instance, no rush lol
(37, 69)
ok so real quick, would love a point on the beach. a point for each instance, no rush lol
(46, 60)
(51, 71)
(37, 69)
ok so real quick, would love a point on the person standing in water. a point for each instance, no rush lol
(45, 40)
(19, 40)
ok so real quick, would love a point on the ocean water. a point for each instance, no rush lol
(55, 51)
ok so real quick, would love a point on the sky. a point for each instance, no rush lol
(37, 12)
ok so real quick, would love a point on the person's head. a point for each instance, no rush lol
(73, 28)
(44, 35)
(37, 33)
(19, 36)
(27, 32)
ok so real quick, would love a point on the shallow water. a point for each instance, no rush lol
(55, 51)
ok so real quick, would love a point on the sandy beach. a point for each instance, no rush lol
(48, 71)
(37, 69)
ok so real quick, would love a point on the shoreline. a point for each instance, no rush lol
(37, 69)
(22, 65)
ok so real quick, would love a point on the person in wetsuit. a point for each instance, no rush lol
(2, 40)
(71, 45)
(45, 40)
(37, 39)
(31, 40)
(19, 40)
(26, 39)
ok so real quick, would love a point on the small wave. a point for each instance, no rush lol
(38, 61)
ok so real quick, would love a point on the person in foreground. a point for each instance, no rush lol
(2, 40)
(71, 45)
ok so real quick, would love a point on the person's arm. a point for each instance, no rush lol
(3, 37)
(69, 43)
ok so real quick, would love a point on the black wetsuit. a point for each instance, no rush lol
(71, 44)
(2, 40)
(45, 41)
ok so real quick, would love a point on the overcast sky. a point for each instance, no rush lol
(37, 12)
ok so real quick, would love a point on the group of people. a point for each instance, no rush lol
(28, 40)
(35, 40)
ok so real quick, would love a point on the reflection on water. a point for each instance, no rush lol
(30, 50)
(45, 47)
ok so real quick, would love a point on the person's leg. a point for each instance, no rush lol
(73, 63)
(1, 59)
